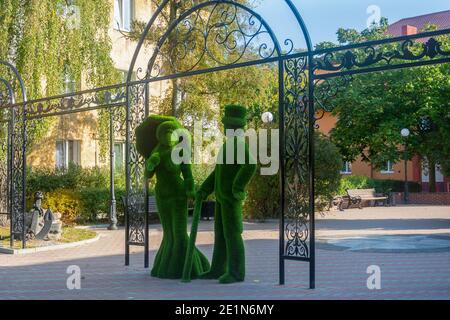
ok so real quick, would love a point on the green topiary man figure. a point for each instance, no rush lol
(228, 182)
(155, 140)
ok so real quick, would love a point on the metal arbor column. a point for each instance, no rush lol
(17, 151)
(136, 210)
(297, 169)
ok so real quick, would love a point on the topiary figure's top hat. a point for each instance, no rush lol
(235, 116)
(146, 133)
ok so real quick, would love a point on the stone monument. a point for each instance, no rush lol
(40, 224)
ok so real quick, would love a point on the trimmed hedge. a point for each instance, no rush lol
(382, 186)
(75, 177)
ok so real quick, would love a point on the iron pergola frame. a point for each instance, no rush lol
(307, 80)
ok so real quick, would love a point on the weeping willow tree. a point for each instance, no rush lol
(50, 41)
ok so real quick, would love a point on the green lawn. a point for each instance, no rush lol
(70, 234)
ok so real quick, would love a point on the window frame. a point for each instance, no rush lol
(389, 169)
(121, 25)
(67, 159)
(121, 145)
(348, 168)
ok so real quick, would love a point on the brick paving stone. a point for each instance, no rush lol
(340, 274)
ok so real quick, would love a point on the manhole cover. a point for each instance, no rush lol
(386, 243)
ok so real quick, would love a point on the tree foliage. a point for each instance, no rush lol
(374, 108)
(44, 42)
(47, 39)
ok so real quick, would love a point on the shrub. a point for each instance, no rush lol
(66, 202)
(79, 194)
(74, 177)
(96, 203)
(328, 164)
(387, 186)
(263, 197)
(353, 182)
(86, 205)
(382, 186)
(263, 191)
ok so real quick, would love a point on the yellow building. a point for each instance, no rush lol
(75, 138)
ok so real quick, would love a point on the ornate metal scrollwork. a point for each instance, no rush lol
(213, 34)
(325, 91)
(17, 172)
(296, 158)
(136, 164)
(4, 159)
(77, 102)
(359, 57)
(119, 120)
(14, 115)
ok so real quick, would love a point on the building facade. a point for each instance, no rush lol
(74, 138)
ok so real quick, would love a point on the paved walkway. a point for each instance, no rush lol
(340, 274)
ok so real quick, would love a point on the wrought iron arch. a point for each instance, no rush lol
(304, 78)
(218, 39)
(18, 78)
(14, 145)
(234, 64)
(296, 117)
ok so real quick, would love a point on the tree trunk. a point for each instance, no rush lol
(176, 96)
(432, 175)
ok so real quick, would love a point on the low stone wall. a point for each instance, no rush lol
(439, 198)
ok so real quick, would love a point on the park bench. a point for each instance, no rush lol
(358, 196)
(207, 208)
(140, 205)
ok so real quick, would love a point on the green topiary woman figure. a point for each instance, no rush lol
(174, 184)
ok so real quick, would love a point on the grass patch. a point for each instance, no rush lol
(69, 234)
(4, 236)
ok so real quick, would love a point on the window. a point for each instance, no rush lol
(426, 172)
(69, 83)
(60, 154)
(68, 151)
(123, 14)
(389, 167)
(346, 168)
(119, 154)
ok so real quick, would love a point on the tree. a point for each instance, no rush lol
(374, 108)
(198, 97)
(328, 165)
(48, 40)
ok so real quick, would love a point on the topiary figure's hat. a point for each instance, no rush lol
(235, 116)
(146, 137)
